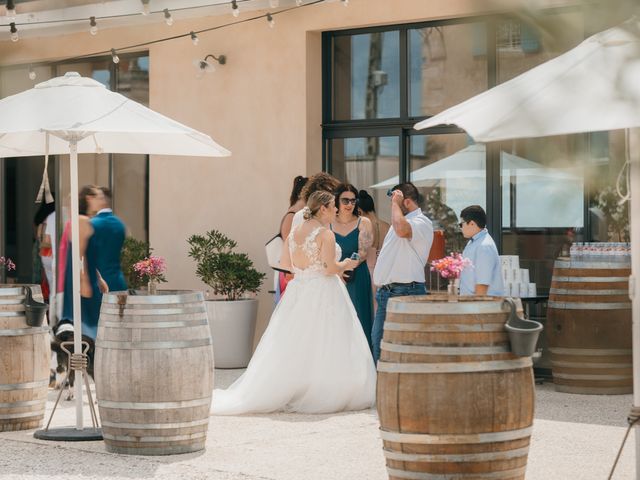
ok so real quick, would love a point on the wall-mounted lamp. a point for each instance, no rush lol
(208, 66)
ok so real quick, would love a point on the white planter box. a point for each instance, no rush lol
(232, 324)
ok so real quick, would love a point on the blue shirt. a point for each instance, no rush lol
(485, 269)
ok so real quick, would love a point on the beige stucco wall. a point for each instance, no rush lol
(264, 105)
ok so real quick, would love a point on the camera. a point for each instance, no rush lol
(355, 256)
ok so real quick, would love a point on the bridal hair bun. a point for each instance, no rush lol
(317, 200)
(306, 213)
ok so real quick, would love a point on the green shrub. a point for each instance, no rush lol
(228, 273)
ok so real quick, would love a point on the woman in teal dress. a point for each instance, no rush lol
(355, 234)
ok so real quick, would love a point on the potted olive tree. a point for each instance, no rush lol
(232, 316)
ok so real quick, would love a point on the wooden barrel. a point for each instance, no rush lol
(589, 327)
(154, 372)
(453, 401)
(24, 363)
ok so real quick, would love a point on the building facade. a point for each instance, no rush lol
(336, 89)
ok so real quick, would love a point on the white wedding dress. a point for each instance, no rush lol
(313, 357)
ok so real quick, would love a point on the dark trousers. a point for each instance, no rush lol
(383, 295)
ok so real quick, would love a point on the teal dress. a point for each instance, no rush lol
(360, 287)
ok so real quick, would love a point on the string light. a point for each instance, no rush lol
(345, 2)
(11, 10)
(146, 7)
(272, 22)
(194, 38)
(298, 3)
(32, 73)
(234, 8)
(93, 30)
(168, 19)
(14, 32)
(274, 3)
(112, 51)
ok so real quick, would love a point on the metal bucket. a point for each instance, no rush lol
(523, 333)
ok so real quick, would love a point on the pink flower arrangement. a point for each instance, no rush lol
(7, 263)
(451, 266)
(151, 269)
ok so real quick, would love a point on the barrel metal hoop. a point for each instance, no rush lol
(154, 405)
(26, 403)
(590, 306)
(455, 367)
(113, 345)
(141, 440)
(591, 351)
(154, 325)
(418, 349)
(461, 457)
(445, 308)
(603, 377)
(132, 318)
(589, 279)
(590, 365)
(177, 296)
(592, 265)
(567, 291)
(35, 413)
(156, 426)
(154, 312)
(444, 328)
(18, 332)
(25, 385)
(514, 473)
(455, 439)
(12, 313)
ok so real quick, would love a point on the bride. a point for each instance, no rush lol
(313, 357)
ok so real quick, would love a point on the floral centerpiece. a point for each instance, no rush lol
(7, 264)
(451, 267)
(151, 270)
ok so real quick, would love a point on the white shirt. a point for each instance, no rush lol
(402, 260)
(50, 230)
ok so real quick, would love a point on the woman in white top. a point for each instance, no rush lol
(313, 357)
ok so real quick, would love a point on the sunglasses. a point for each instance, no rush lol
(347, 201)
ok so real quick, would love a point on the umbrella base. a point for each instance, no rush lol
(69, 434)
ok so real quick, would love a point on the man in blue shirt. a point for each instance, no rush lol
(484, 277)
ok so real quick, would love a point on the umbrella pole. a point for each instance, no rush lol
(634, 293)
(78, 433)
(75, 252)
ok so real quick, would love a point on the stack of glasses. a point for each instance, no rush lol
(615, 252)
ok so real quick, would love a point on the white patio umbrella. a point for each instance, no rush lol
(470, 162)
(593, 87)
(74, 114)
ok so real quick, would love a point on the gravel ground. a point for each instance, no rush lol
(575, 437)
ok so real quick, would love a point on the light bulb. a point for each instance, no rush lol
(167, 17)
(345, 3)
(14, 32)
(194, 38)
(11, 10)
(274, 3)
(94, 26)
(235, 9)
(32, 73)
(146, 7)
(298, 3)
(271, 20)
(114, 56)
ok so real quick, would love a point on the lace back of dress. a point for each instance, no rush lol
(309, 248)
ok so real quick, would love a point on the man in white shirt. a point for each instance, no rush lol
(399, 270)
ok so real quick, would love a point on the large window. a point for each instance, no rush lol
(378, 82)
